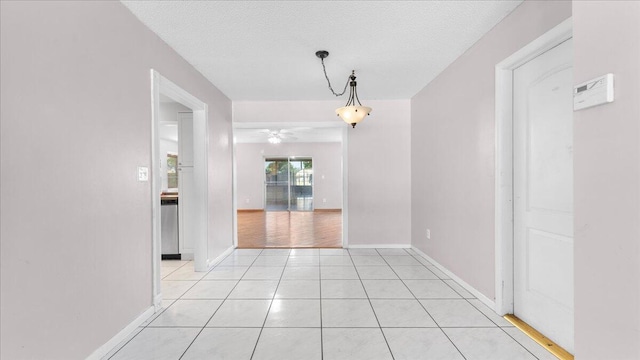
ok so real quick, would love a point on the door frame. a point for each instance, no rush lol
(344, 167)
(504, 235)
(162, 85)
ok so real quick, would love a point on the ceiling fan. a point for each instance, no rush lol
(276, 136)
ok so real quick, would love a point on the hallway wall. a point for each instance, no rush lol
(607, 184)
(75, 124)
(453, 140)
(453, 167)
(379, 163)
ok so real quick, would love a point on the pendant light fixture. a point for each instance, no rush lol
(351, 113)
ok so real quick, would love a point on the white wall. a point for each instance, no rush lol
(607, 184)
(379, 163)
(327, 170)
(453, 167)
(76, 262)
(453, 140)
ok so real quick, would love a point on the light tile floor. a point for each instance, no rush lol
(322, 304)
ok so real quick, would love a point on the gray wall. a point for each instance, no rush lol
(379, 163)
(453, 139)
(607, 184)
(76, 224)
(327, 170)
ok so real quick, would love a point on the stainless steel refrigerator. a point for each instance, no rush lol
(169, 232)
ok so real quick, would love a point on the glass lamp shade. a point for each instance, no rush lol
(353, 114)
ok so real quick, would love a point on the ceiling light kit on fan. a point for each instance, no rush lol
(276, 136)
(351, 113)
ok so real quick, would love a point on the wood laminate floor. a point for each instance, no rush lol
(296, 229)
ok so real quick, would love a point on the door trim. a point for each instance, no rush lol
(162, 85)
(504, 158)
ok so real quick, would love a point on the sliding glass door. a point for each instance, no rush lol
(276, 184)
(288, 184)
(301, 185)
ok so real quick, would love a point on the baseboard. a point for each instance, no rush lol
(103, 350)
(480, 296)
(217, 260)
(327, 210)
(250, 210)
(157, 302)
(380, 246)
(186, 256)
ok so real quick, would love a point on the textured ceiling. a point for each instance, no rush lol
(265, 50)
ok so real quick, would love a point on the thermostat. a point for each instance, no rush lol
(593, 92)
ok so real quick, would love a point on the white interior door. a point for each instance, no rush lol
(543, 193)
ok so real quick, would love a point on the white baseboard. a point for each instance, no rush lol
(380, 246)
(157, 302)
(490, 303)
(217, 260)
(120, 336)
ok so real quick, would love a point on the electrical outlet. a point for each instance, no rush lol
(246, 201)
(324, 200)
(428, 234)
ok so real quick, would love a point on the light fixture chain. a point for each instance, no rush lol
(356, 95)
(329, 82)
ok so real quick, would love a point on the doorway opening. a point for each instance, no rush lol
(290, 193)
(288, 184)
(176, 149)
(190, 116)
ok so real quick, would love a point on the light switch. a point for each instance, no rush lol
(143, 173)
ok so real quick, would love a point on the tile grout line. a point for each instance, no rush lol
(519, 343)
(253, 263)
(219, 306)
(422, 305)
(255, 347)
(155, 316)
(328, 327)
(475, 307)
(370, 304)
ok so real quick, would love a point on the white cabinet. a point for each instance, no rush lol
(187, 215)
(185, 139)
(186, 208)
